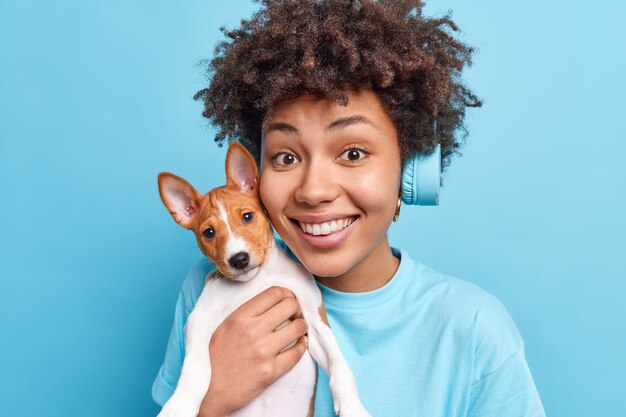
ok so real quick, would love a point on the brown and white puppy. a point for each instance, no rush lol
(234, 233)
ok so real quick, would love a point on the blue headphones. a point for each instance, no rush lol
(421, 176)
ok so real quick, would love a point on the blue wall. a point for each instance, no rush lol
(95, 100)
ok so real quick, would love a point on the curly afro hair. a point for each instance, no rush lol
(328, 47)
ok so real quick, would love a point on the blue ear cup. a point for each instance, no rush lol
(421, 176)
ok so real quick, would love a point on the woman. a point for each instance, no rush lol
(332, 97)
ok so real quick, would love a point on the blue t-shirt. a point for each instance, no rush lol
(424, 344)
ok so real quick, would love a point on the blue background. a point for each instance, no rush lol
(96, 99)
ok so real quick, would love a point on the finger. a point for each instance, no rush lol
(262, 302)
(286, 309)
(290, 357)
(286, 337)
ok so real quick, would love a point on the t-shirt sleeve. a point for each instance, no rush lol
(502, 384)
(508, 391)
(167, 377)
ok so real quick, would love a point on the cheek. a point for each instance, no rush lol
(273, 194)
(375, 191)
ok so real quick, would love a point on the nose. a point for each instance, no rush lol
(316, 185)
(239, 260)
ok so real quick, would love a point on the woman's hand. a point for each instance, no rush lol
(247, 352)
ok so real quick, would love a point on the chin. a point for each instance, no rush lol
(323, 268)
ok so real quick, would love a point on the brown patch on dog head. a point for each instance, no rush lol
(256, 231)
(322, 312)
(210, 230)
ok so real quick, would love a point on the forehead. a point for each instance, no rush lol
(312, 112)
(227, 199)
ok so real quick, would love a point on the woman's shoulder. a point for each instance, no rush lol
(459, 301)
(466, 296)
(448, 288)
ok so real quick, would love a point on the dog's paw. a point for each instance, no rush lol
(346, 402)
(351, 408)
(177, 407)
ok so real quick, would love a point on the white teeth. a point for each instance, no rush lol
(325, 228)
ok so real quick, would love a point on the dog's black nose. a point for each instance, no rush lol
(239, 260)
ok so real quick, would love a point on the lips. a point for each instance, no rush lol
(327, 227)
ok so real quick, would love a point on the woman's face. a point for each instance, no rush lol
(330, 178)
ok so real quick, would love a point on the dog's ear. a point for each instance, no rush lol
(180, 198)
(241, 169)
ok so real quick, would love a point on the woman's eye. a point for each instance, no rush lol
(353, 155)
(247, 217)
(209, 233)
(284, 158)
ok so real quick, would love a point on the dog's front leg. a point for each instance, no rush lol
(195, 375)
(325, 350)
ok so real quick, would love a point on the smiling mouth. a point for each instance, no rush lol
(326, 228)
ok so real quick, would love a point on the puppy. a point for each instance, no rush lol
(234, 233)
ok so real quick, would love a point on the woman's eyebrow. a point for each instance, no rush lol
(282, 127)
(338, 124)
(349, 121)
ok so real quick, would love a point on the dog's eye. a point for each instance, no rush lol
(209, 233)
(247, 217)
